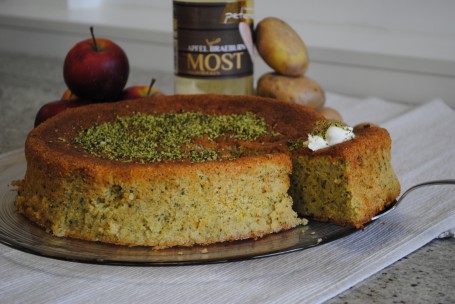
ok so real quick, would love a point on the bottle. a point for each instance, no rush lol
(213, 47)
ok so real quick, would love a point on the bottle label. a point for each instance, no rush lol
(213, 40)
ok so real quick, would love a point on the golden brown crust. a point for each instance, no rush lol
(291, 121)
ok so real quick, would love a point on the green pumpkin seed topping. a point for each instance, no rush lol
(171, 136)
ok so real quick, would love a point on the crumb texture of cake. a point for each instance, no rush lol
(349, 183)
(178, 206)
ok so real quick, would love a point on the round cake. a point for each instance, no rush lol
(197, 169)
(227, 185)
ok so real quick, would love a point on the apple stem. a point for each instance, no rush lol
(150, 86)
(93, 38)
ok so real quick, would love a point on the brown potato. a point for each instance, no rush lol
(301, 89)
(281, 47)
(331, 114)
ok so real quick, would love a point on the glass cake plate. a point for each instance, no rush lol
(17, 232)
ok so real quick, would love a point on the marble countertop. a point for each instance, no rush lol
(426, 276)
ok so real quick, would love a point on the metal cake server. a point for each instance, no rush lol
(400, 199)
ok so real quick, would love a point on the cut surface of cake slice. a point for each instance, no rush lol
(347, 183)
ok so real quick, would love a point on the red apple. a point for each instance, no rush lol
(96, 69)
(52, 108)
(140, 91)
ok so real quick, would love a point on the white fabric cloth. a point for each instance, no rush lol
(423, 149)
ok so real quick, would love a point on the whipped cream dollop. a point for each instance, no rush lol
(333, 135)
